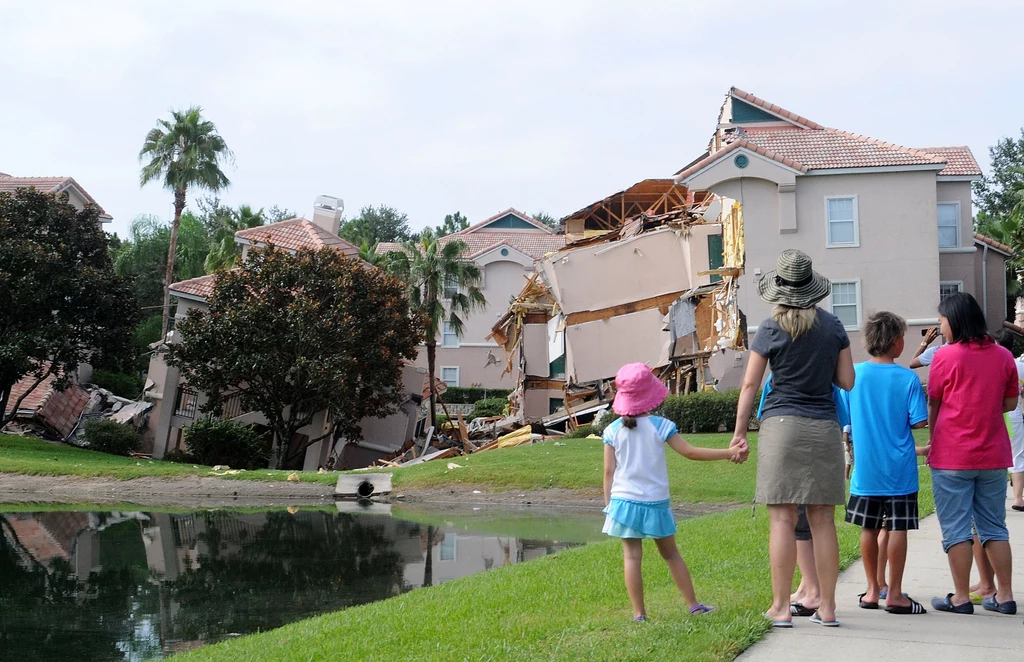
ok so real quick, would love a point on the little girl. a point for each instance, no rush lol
(636, 481)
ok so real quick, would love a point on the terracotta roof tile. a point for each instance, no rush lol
(993, 243)
(960, 161)
(828, 149)
(9, 184)
(201, 287)
(296, 233)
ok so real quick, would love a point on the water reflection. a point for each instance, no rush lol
(139, 585)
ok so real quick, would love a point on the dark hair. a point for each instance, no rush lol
(966, 320)
(882, 331)
(1005, 338)
(629, 422)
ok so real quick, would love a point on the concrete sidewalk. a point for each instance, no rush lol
(876, 634)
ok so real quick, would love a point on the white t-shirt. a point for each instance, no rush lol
(1016, 414)
(928, 355)
(641, 473)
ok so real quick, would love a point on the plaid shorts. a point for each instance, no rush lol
(895, 513)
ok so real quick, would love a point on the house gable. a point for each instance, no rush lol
(744, 113)
(508, 220)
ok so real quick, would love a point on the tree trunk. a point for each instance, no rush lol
(428, 565)
(431, 360)
(179, 207)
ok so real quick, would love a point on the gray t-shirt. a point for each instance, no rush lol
(802, 371)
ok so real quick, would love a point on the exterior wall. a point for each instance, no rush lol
(991, 290)
(503, 280)
(477, 365)
(610, 344)
(958, 192)
(897, 261)
(535, 345)
(697, 240)
(958, 264)
(537, 403)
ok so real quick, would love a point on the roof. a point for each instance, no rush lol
(294, 234)
(525, 217)
(1001, 247)
(535, 245)
(959, 161)
(805, 145)
(9, 184)
(641, 196)
(199, 288)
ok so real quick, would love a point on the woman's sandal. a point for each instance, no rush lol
(698, 609)
(816, 618)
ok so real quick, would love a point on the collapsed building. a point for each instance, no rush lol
(656, 287)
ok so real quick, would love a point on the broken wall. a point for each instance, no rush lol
(607, 345)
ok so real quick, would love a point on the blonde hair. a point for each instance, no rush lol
(794, 321)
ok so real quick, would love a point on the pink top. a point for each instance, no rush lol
(971, 380)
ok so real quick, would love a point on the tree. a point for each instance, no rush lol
(547, 219)
(61, 304)
(303, 333)
(143, 255)
(224, 252)
(368, 254)
(443, 287)
(184, 153)
(277, 214)
(452, 224)
(374, 225)
(1002, 192)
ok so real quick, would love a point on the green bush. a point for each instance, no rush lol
(708, 411)
(214, 441)
(457, 395)
(179, 456)
(489, 407)
(582, 432)
(118, 383)
(108, 436)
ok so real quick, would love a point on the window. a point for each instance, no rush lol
(448, 336)
(841, 215)
(948, 288)
(451, 286)
(846, 302)
(450, 376)
(446, 550)
(949, 224)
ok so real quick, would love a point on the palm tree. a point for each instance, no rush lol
(224, 251)
(184, 153)
(368, 254)
(443, 288)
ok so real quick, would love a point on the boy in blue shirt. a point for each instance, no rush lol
(886, 404)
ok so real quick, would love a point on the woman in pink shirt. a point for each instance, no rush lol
(972, 382)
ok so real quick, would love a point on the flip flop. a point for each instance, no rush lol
(865, 605)
(782, 625)
(914, 607)
(827, 624)
(798, 609)
(696, 610)
(976, 598)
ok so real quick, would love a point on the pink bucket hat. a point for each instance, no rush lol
(637, 390)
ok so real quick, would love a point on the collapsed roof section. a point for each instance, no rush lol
(609, 299)
(653, 196)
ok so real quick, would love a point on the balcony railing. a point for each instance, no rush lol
(232, 407)
(186, 401)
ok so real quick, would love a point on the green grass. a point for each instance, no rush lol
(32, 456)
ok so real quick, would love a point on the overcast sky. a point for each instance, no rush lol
(438, 106)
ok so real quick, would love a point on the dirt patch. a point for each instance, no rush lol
(187, 491)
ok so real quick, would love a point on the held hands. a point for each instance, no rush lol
(740, 450)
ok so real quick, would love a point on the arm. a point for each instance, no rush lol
(609, 472)
(933, 415)
(690, 452)
(844, 370)
(1009, 404)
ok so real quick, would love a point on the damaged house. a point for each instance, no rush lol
(659, 288)
(177, 405)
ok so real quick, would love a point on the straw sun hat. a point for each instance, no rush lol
(793, 283)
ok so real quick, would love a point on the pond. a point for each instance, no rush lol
(94, 585)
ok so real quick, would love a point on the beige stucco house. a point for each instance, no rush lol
(78, 197)
(505, 247)
(890, 226)
(176, 405)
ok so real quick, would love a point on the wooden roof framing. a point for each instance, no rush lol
(654, 196)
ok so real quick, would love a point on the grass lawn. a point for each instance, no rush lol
(571, 605)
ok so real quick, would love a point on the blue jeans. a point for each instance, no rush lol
(970, 494)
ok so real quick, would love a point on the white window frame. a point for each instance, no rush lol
(451, 287)
(856, 283)
(444, 333)
(959, 230)
(450, 367)
(856, 223)
(959, 286)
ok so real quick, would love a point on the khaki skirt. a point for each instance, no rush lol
(800, 460)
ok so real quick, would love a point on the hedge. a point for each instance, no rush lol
(458, 395)
(693, 413)
(108, 436)
(213, 441)
(489, 407)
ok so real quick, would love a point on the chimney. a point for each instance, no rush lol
(327, 211)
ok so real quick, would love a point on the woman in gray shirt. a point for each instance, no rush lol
(799, 454)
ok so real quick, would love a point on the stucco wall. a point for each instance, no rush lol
(897, 261)
(473, 365)
(996, 306)
(502, 281)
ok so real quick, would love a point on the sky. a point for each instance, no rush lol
(439, 106)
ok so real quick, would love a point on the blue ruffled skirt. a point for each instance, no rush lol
(639, 519)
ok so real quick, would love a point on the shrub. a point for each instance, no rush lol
(179, 456)
(118, 383)
(582, 432)
(457, 395)
(489, 407)
(214, 441)
(708, 411)
(108, 436)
